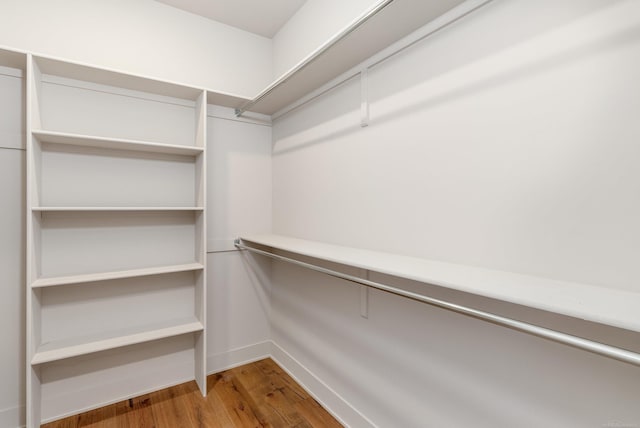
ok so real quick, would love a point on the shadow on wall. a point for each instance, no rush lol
(400, 351)
(472, 40)
(238, 179)
(332, 115)
(412, 363)
(335, 114)
(539, 66)
(433, 357)
(258, 271)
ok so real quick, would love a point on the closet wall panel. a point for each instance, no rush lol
(239, 199)
(11, 108)
(12, 286)
(12, 240)
(512, 150)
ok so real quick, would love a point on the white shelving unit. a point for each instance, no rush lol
(115, 234)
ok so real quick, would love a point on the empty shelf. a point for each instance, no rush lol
(58, 350)
(114, 143)
(44, 209)
(385, 23)
(605, 305)
(104, 276)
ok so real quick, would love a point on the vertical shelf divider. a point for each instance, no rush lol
(33, 404)
(201, 250)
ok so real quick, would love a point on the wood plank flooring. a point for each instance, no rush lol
(260, 394)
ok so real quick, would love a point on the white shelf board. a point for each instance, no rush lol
(114, 78)
(80, 209)
(59, 350)
(114, 143)
(12, 59)
(104, 276)
(610, 306)
(225, 100)
(358, 41)
(149, 84)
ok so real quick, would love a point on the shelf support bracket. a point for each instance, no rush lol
(364, 97)
(364, 296)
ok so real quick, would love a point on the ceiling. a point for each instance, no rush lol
(263, 17)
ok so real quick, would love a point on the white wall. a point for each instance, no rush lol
(12, 249)
(238, 200)
(508, 141)
(140, 37)
(310, 27)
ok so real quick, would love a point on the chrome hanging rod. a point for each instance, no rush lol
(314, 55)
(556, 336)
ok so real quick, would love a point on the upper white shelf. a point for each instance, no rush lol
(385, 23)
(114, 143)
(610, 306)
(101, 76)
(88, 73)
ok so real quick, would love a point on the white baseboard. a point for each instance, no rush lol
(12, 417)
(340, 408)
(237, 357)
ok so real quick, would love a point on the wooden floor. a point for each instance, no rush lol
(260, 394)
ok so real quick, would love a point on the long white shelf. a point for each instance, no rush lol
(80, 209)
(122, 79)
(55, 137)
(610, 306)
(59, 350)
(383, 24)
(103, 76)
(105, 276)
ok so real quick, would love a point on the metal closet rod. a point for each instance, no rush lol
(556, 336)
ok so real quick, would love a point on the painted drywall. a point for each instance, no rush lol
(514, 153)
(12, 248)
(142, 37)
(412, 365)
(310, 27)
(12, 263)
(238, 199)
(12, 109)
(239, 178)
(513, 149)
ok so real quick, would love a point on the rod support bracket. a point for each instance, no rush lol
(364, 97)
